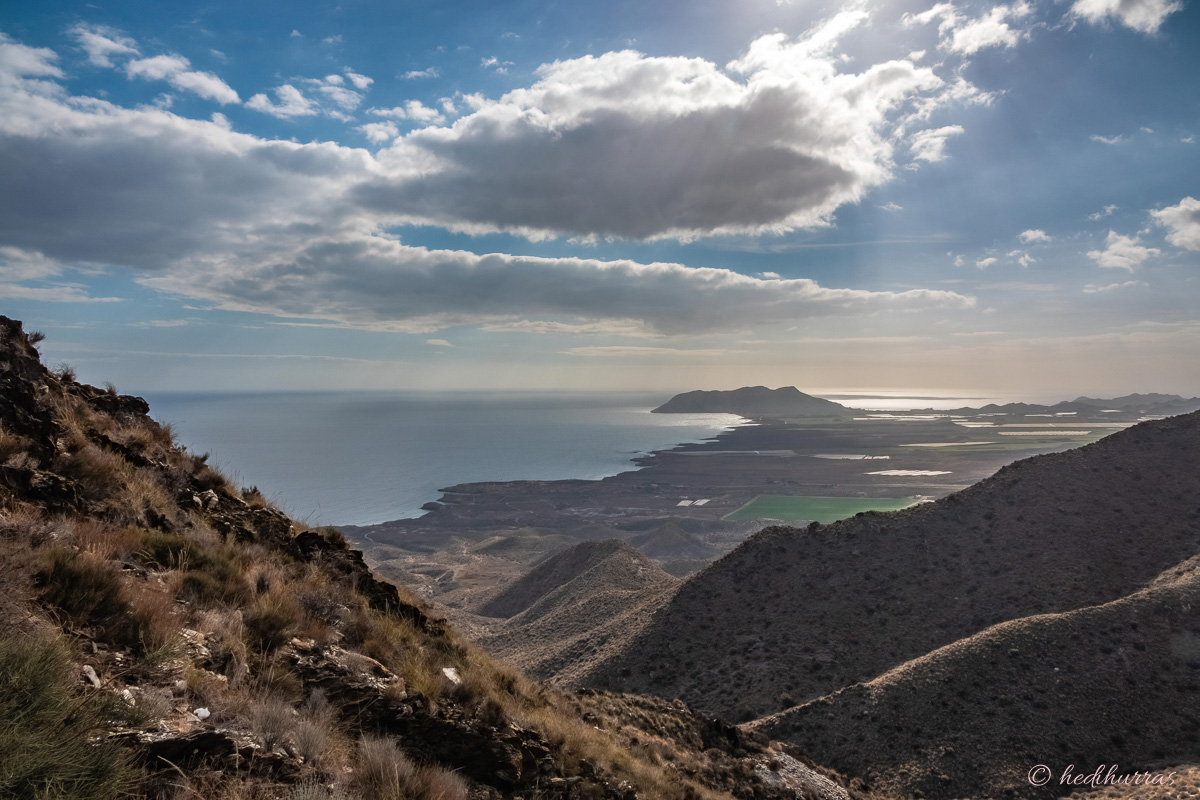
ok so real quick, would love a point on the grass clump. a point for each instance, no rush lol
(44, 728)
(85, 588)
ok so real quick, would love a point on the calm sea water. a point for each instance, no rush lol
(366, 457)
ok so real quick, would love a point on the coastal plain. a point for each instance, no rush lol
(685, 507)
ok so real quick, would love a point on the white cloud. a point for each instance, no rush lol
(1092, 289)
(1146, 16)
(959, 34)
(492, 62)
(176, 71)
(1182, 222)
(1107, 211)
(1034, 235)
(628, 145)
(428, 72)
(361, 82)
(1108, 139)
(377, 132)
(609, 327)
(18, 266)
(438, 343)
(23, 265)
(413, 109)
(61, 293)
(198, 210)
(984, 263)
(1122, 252)
(292, 103)
(958, 261)
(930, 145)
(101, 42)
(344, 98)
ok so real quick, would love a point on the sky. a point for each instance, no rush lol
(888, 194)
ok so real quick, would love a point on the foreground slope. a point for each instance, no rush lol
(792, 615)
(166, 635)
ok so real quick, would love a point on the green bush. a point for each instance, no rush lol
(44, 729)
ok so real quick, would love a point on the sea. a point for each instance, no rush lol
(359, 458)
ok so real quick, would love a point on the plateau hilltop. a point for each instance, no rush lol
(753, 401)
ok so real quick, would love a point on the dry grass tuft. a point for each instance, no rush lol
(384, 772)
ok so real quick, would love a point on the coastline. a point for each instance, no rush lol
(367, 457)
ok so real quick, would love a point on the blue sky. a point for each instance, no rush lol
(950, 196)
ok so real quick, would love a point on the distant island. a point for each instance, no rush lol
(753, 401)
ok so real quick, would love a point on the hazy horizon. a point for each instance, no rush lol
(969, 197)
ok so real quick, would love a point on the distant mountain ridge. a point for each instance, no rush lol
(788, 401)
(752, 401)
(1160, 405)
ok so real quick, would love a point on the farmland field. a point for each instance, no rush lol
(819, 509)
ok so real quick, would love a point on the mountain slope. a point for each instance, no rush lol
(576, 608)
(570, 574)
(1111, 684)
(792, 615)
(752, 401)
(164, 634)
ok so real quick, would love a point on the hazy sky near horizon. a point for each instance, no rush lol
(625, 195)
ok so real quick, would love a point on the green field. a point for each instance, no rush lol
(818, 509)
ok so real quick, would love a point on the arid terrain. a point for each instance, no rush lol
(167, 635)
(1039, 615)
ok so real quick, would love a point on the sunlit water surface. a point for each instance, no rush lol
(359, 458)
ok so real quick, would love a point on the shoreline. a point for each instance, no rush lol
(637, 464)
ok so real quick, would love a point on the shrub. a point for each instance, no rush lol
(169, 551)
(85, 588)
(384, 772)
(273, 620)
(153, 612)
(438, 784)
(273, 720)
(44, 729)
(216, 580)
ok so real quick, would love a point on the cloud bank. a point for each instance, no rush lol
(626, 145)
(282, 228)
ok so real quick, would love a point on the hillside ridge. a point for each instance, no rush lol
(1047, 534)
(165, 635)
